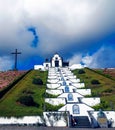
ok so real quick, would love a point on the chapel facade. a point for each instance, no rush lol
(55, 61)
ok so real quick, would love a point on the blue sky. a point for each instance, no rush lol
(82, 31)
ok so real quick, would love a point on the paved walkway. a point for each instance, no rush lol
(48, 128)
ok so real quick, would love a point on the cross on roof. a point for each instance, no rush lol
(16, 54)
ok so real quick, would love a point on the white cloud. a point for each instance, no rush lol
(5, 63)
(58, 22)
(87, 60)
(73, 21)
(101, 59)
(76, 59)
(62, 25)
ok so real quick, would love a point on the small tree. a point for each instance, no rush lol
(50, 107)
(95, 81)
(27, 100)
(109, 90)
(38, 81)
(103, 105)
(81, 71)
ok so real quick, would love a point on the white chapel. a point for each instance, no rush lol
(55, 61)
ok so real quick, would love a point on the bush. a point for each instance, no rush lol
(103, 105)
(28, 92)
(47, 95)
(27, 100)
(95, 94)
(109, 90)
(94, 81)
(38, 81)
(50, 107)
(81, 71)
(97, 107)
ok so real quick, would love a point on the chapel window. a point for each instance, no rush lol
(76, 109)
(56, 58)
(47, 65)
(70, 97)
(66, 89)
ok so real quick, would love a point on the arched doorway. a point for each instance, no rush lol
(56, 63)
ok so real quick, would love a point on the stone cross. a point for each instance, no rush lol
(16, 54)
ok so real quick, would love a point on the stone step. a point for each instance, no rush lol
(80, 122)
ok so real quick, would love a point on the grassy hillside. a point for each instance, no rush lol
(9, 105)
(110, 73)
(105, 90)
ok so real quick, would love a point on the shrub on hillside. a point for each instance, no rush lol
(27, 100)
(50, 107)
(103, 105)
(47, 95)
(95, 94)
(81, 71)
(38, 81)
(95, 81)
(28, 92)
(109, 90)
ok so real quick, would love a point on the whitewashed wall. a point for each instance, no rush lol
(29, 120)
(51, 73)
(52, 76)
(75, 80)
(53, 86)
(55, 122)
(54, 59)
(78, 85)
(39, 67)
(83, 109)
(55, 101)
(54, 92)
(75, 95)
(72, 76)
(84, 91)
(70, 88)
(91, 101)
(52, 81)
(71, 79)
(46, 64)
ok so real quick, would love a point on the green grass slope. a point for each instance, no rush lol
(9, 105)
(105, 90)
